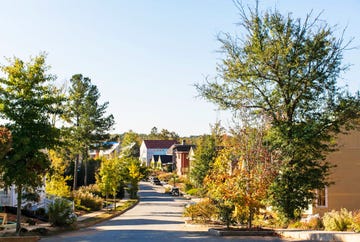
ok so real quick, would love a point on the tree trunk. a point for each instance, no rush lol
(75, 173)
(85, 161)
(85, 172)
(251, 215)
(18, 212)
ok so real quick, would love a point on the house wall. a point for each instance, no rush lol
(182, 163)
(345, 193)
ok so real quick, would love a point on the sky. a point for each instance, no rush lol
(146, 55)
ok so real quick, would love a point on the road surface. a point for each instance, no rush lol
(158, 217)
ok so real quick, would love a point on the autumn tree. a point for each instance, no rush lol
(286, 70)
(89, 124)
(26, 103)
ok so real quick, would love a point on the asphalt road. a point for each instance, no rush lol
(158, 217)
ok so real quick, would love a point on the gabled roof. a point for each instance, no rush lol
(183, 148)
(159, 144)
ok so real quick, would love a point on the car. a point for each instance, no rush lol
(156, 181)
(175, 191)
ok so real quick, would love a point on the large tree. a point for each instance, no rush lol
(26, 104)
(286, 70)
(89, 124)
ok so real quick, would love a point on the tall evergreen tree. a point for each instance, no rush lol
(26, 103)
(286, 70)
(89, 124)
(206, 151)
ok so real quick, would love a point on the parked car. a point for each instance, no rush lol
(156, 181)
(175, 191)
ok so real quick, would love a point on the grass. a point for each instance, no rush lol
(121, 208)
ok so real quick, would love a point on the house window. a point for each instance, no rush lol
(322, 197)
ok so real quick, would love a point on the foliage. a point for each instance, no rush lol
(202, 212)
(88, 124)
(134, 177)
(164, 134)
(84, 198)
(56, 181)
(205, 153)
(284, 71)
(337, 220)
(130, 144)
(355, 226)
(61, 213)
(5, 141)
(241, 175)
(27, 100)
(109, 176)
(314, 223)
(165, 176)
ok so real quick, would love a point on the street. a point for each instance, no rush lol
(158, 217)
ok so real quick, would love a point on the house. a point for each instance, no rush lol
(111, 149)
(149, 148)
(345, 193)
(162, 162)
(181, 158)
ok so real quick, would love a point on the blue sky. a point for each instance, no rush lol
(145, 55)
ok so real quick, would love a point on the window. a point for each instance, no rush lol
(322, 197)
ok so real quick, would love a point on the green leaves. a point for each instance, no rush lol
(284, 71)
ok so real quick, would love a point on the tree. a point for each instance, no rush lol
(135, 174)
(206, 151)
(109, 177)
(163, 135)
(56, 180)
(130, 145)
(88, 120)
(26, 103)
(286, 70)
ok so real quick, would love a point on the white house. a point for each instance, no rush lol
(149, 148)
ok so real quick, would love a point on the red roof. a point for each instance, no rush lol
(159, 144)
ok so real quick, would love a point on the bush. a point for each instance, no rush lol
(337, 220)
(84, 198)
(193, 192)
(61, 213)
(203, 211)
(355, 226)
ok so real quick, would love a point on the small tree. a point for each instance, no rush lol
(27, 101)
(56, 181)
(109, 177)
(134, 176)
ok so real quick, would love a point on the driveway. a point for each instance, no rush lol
(158, 217)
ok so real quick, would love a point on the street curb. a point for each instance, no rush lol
(84, 224)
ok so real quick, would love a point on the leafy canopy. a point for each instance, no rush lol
(285, 71)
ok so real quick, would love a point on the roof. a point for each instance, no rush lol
(183, 148)
(159, 144)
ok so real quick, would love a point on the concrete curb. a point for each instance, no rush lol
(320, 235)
(219, 232)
